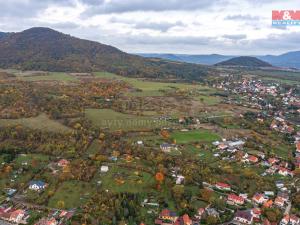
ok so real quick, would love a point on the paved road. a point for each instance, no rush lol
(288, 208)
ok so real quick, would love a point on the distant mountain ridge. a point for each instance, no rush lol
(45, 49)
(244, 61)
(288, 60)
(199, 59)
(3, 34)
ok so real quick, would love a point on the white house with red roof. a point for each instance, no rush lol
(234, 199)
(63, 163)
(256, 212)
(294, 220)
(285, 172)
(279, 201)
(223, 186)
(259, 198)
(17, 215)
(272, 161)
(252, 159)
(285, 220)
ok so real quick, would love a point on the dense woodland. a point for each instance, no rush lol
(48, 50)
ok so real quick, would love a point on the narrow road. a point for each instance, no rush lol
(288, 208)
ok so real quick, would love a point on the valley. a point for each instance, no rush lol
(98, 147)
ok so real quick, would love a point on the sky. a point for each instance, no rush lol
(232, 27)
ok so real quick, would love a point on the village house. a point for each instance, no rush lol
(259, 198)
(223, 186)
(63, 163)
(283, 195)
(256, 213)
(285, 172)
(252, 159)
(285, 220)
(244, 217)
(200, 213)
(140, 142)
(183, 220)
(294, 220)
(279, 184)
(17, 215)
(268, 204)
(272, 161)
(47, 221)
(37, 185)
(279, 202)
(166, 147)
(212, 212)
(233, 199)
(179, 179)
(166, 217)
(104, 169)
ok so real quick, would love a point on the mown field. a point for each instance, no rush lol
(183, 137)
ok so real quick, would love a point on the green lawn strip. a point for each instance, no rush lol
(208, 100)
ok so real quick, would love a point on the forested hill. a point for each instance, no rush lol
(244, 61)
(49, 50)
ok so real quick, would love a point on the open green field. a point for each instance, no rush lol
(204, 155)
(107, 118)
(56, 76)
(150, 88)
(41, 122)
(119, 179)
(208, 99)
(72, 193)
(28, 158)
(183, 137)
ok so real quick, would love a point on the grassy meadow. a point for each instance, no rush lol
(107, 118)
(183, 137)
(41, 122)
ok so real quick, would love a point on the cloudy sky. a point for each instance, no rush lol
(237, 27)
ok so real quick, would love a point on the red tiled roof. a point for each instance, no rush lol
(235, 198)
(223, 185)
(253, 158)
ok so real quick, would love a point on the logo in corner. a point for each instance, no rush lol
(286, 18)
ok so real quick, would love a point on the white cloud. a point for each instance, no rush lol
(176, 26)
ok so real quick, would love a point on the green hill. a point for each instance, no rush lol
(48, 50)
